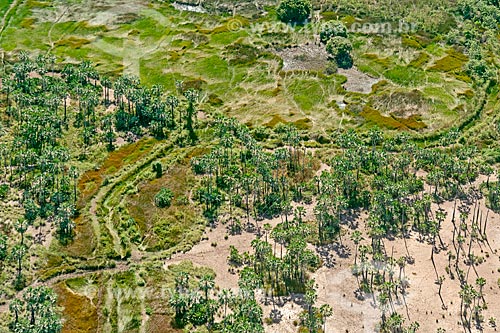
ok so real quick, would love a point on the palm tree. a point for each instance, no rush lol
(107, 85)
(18, 252)
(326, 311)
(178, 301)
(310, 298)
(192, 97)
(206, 283)
(7, 88)
(107, 128)
(173, 102)
(356, 237)
(16, 307)
(481, 282)
(225, 298)
(182, 281)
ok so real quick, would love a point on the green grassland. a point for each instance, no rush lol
(238, 65)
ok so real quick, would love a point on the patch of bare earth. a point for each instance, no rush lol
(94, 12)
(304, 57)
(357, 81)
(336, 285)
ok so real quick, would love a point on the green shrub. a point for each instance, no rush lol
(4, 191)
(157, 169)
(332, 29)
(294, 11)
(235, 258)
(164, 198)
(339, 49)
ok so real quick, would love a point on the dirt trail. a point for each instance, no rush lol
(120, 267)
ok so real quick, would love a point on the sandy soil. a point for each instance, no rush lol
(304, 57)
(336, 284)
(357, 81)
(95, 12)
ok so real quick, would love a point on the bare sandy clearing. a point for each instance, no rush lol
(357, 81)
(304, 57)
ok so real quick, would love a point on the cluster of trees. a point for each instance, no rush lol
(44, 104)
(243, 179)
(380, 176)
(294, 11)
(281, 274)
(143, 109)
(242, 173)
(479, 25)
(334, 35)
(393, 179)
(485, 13)
(199, 303)
(35, 162)
(36, 312)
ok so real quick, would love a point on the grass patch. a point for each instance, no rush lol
(410, 41)
(84, 243)
(275, 120)
(73, 42)
(303, 124)
(374, 117)
(241, 54)
(406, 76)
(213, 67)
(420, 61)
(91, 180)
(413, 122)
(164, 228)
(79, 312)
(27, 23)
(372, 64)
(452, 62)
(306, 93)
(223, 37)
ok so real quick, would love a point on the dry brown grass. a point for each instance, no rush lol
(160, 323)
(84, 242)
(79, 313)
(166, 227)
(91, 180)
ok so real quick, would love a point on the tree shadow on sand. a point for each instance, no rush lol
(327, 253)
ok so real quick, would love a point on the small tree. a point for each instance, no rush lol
(332, 29)
(164, 198)
(340, 49)
(294, 11)
(158, 169)
(4, 191)
(3, 247)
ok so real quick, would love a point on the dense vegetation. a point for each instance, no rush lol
(107, 177)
